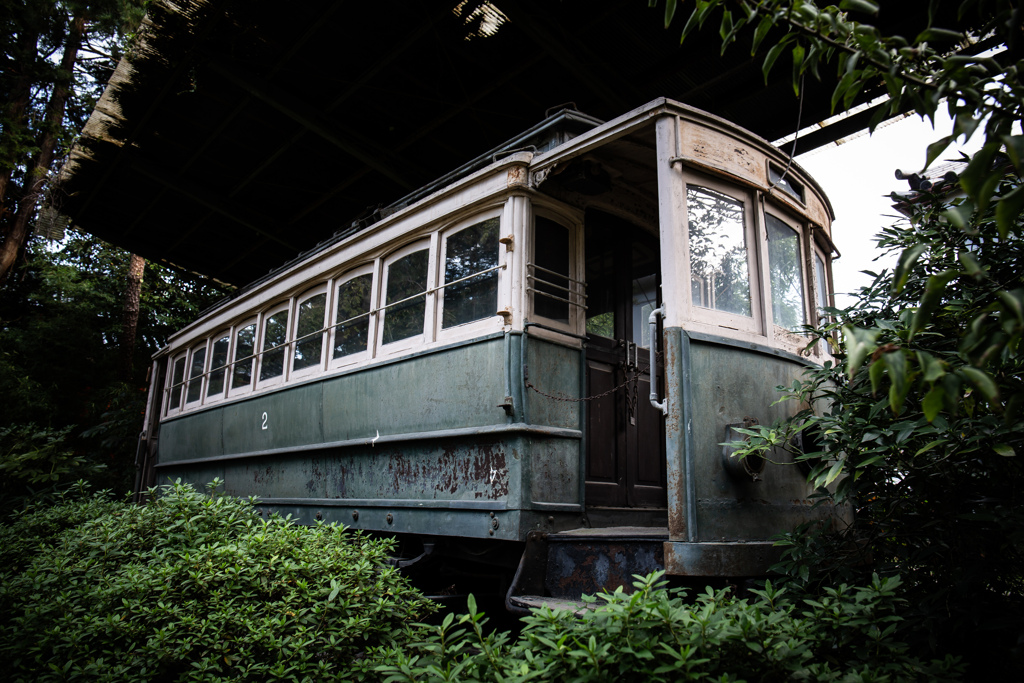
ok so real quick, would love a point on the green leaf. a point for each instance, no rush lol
(936, 149)
(1013, 302)
(1008, 210)
(859, 344)
(833, 472)
(670, 11)
(933, 291)
(938, 34)
(1015, 150)
(974, 177)
(864, 6)
(897, 368)
(983, 382)
(769, 60)
(844, 84)
(971, 265)
(1005, 450)
(908, 259)
(933, 402)
(931, 366)
(875, 372)
(759, 34)
(930, 446)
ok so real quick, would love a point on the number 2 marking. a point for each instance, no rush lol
(264, 421)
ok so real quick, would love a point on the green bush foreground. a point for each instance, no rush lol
(194, 587)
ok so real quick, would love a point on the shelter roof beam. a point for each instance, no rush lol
(229, 210)
(314, 120)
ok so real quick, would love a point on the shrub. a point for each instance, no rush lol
(847, 634)
(192, 587)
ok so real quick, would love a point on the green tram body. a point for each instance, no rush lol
(467, 429)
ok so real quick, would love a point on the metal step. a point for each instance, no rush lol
(559, 568)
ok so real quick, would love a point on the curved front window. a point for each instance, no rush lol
(786, 273)
(719, 274)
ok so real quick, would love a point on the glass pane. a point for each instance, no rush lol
(311, 320)
(819, 272)
(718, 251)
(245, 346)
(551, 277)
(195, 375)
(353, 302)
(645, 297)
(274, 336)
(218, 361)
(469, 251)
(177, 378)
(407, 277)
(787, 275)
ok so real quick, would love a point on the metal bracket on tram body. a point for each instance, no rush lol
(652, 320)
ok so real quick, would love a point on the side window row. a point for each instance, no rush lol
(302, 336)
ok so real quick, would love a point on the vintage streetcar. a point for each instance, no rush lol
(531, 363)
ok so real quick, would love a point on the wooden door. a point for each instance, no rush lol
(625, 434)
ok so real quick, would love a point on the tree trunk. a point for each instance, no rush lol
(130, 314)
(16, 231)
(14, 118)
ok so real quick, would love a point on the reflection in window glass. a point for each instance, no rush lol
(309, 344)
(468, 252)
(195, 375)
(407, 282)
(718, 251)
(551, 272)
(645, 296)
(822, 281)
(274, 336)
(787, 275)
(218, 366)
(353, 327)
(245, 346)
(177, 379)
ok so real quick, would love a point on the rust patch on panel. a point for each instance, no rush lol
(481, 467)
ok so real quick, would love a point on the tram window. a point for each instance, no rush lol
(786, 274)
(645, 297)
(352, 329)
(309, 331)
(474, 294)
(275, 334)
(218, 366)
(719, 273)
(550, 272)
(821, 281)
(245, 347)
(195, 374)
(177, 383)
(406, 296)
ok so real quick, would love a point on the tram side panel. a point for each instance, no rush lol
(419, 445)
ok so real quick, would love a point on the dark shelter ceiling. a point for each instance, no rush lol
(244, 132)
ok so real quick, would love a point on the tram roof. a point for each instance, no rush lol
(239, 135)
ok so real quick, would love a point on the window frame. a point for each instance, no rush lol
(383, 349)
(577, 285)
(201, 378)
(172, 361)
(293, 332)
(778, 331)
(269, 312)
(371, 269)
(754, 230)
(234, 361)
(213, 340)
(480, 325)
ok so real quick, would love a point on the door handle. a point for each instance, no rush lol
(652, 320)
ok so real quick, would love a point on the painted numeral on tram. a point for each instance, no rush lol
(264, 421)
